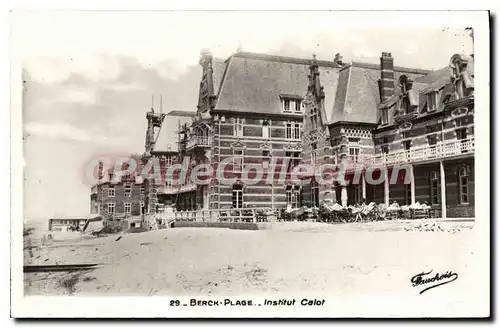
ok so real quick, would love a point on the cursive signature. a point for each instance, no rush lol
(441, 279)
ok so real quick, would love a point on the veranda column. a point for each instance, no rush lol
(412, 185)
(386, 185)
(443, 190)
(343, 194)
(363, 186)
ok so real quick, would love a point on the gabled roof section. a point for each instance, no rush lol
(357, 97)
(254, 83)
(358, 94)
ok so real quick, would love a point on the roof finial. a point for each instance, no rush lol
(314, 56)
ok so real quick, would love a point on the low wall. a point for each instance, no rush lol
(229, 225)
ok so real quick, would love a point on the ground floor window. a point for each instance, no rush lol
(293, 196)
(434, 192)
(315, 193)
(237, 196)
(111, 208)
(463, 185)
(127, 208)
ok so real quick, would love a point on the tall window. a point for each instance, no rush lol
(432, 139)
(143, 190)
(314, 118)
(296, 131)
(293, 196)
(128, 190)
(288, 130)
(434, 188)
(111, 191)
(237, 196)
(143, 208)
(111, 208)
(298, 106)
(432, 131)
(384, 116)
(266, 156)
(314, 152)
(463, 180)
(286, 105)
(315, 193)
(127, 208)
(462, 136)
(431, 101)
(238, 127)
(237, 160)
(293, 130)
(385, 146)
(407, 144)
(354, 154)
(288, 194)
(265, 129)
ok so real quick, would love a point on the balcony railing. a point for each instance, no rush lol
(419, 154)
(198, 141)
(171, 190)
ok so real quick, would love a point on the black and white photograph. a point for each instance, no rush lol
(250, 164)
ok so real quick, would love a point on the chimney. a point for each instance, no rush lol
(386, 76)
(205, 57)
(338, 59)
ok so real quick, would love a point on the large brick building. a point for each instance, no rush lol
(386, 116)
(282, 111)
(258, 108)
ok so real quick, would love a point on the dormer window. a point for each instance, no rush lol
(286, 105)
(291, 104)
(384, 120)
(298, 106)
(462, 78)
(432, 101)
(407, 104)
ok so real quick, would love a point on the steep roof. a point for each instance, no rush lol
(253, 83)
(358, 93)
(218, 67)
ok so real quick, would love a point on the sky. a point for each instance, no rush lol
(90, 76)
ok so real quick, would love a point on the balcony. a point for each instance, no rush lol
(449, 149)
(198, 141)
(426, 153)
(172, 190)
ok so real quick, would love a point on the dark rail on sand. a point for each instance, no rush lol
(61, 267)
